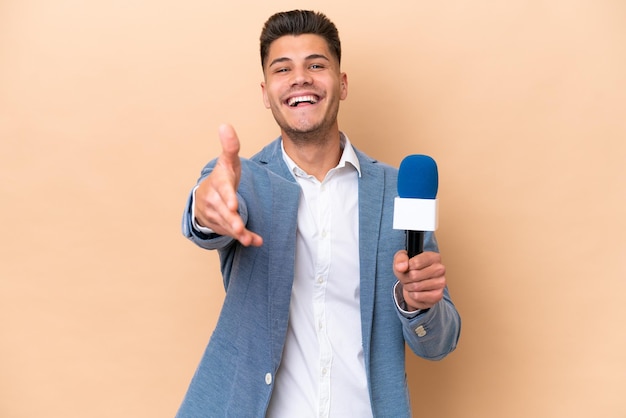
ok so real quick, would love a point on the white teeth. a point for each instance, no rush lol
(294, 101)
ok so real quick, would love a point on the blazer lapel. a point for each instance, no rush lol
(371, 192)
(284, 194)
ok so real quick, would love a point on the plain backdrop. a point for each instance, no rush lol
(109, 109)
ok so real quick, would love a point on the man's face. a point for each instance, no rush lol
(303, 84)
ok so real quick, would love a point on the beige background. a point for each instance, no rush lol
(108, 111)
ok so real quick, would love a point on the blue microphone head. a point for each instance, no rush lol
(418, 178)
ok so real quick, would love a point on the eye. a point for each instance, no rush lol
(316, 67)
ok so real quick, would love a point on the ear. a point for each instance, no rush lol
(266, 101)
(343, 91)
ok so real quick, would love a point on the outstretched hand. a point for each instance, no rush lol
(216, 205)
(422, 277)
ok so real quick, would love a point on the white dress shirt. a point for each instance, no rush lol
(322, 372)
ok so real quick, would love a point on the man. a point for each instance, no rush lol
(320, 295)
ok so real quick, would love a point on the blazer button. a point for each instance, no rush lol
(268, 379)
(420, 331)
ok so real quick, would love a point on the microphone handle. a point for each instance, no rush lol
(414, 243)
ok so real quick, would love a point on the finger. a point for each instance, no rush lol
(224, 222)
(424, 260)
(225, 188)
(427, 285)
(213, 208)
(248, 237)
(422, 300)
(428, 277)
(212, 197)
(233, 226)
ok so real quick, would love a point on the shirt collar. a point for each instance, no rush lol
(348, 156)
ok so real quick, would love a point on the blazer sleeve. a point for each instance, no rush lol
(434, 333)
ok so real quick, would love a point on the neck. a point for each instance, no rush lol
(315, 155)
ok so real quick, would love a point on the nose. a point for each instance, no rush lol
(300, 76)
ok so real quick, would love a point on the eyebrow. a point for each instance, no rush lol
(308, 58)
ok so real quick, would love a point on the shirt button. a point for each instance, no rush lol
(268, 378)
(420, 331)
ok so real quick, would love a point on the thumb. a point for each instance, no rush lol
(401, 261)
(230, 146)
(228, 168)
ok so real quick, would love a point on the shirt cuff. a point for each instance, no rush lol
(398, 297)
(194, 223)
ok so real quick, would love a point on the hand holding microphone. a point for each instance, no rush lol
(421, 274)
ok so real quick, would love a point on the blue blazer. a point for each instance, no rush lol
(235, 375)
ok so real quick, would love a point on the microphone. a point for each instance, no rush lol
(415, 208)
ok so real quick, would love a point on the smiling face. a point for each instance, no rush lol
(303, 86)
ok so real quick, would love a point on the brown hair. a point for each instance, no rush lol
(299, 22)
